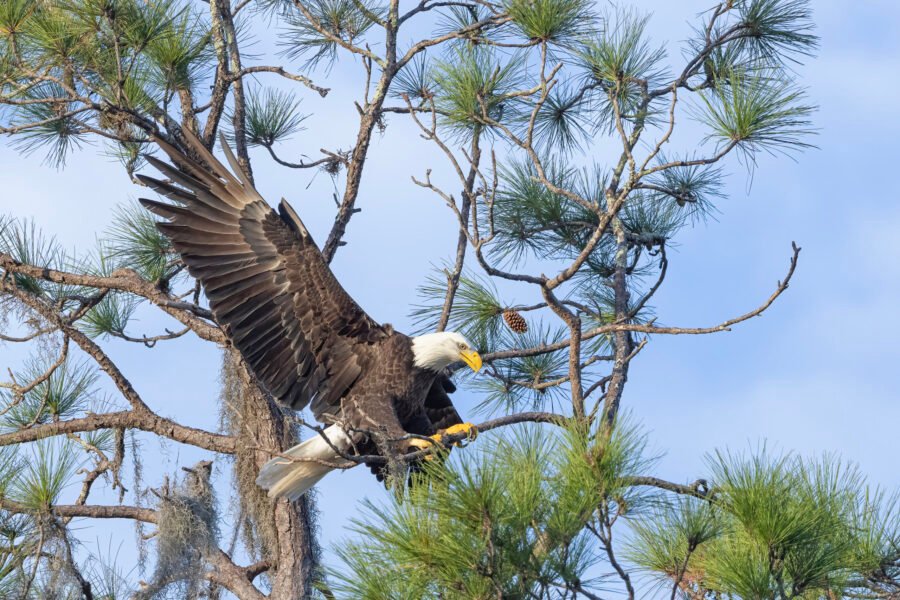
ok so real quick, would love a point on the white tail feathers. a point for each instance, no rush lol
(291, 479)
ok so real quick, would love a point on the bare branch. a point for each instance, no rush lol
(653, 329)
(145, 515)
(698, 489)
(280, 71)
(150, 341)
(330, 158)
(128, 419)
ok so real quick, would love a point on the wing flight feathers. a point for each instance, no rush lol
(266, 281)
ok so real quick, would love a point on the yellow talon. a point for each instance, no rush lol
(467, 428)
(470, 431)
(420, 444)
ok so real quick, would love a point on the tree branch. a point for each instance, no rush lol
(136, 513)
(144, 420)
(280, 71)
(126, 280)
(698, 489)
(653, 329)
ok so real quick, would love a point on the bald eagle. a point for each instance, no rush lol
(299, 331)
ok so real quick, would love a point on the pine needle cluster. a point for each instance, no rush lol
(473, 530)
(775, 526)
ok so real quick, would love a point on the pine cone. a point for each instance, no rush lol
(515, 321)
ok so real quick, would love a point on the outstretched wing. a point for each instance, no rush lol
(267, 283)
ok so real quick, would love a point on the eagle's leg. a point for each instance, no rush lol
(419, 424)
(420, 444)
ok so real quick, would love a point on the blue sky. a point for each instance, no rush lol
(817, 373)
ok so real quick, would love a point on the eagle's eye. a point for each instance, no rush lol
(462, 346)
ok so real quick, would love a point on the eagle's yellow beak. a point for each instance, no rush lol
(471, 358)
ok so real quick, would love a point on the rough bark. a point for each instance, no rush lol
(128, 419)
(294, 549)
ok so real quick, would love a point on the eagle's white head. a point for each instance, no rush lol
(435, 351)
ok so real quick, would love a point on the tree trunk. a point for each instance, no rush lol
(282, 532)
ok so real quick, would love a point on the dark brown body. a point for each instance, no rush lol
(391, 398)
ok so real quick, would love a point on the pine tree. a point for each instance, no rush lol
(557, 498)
